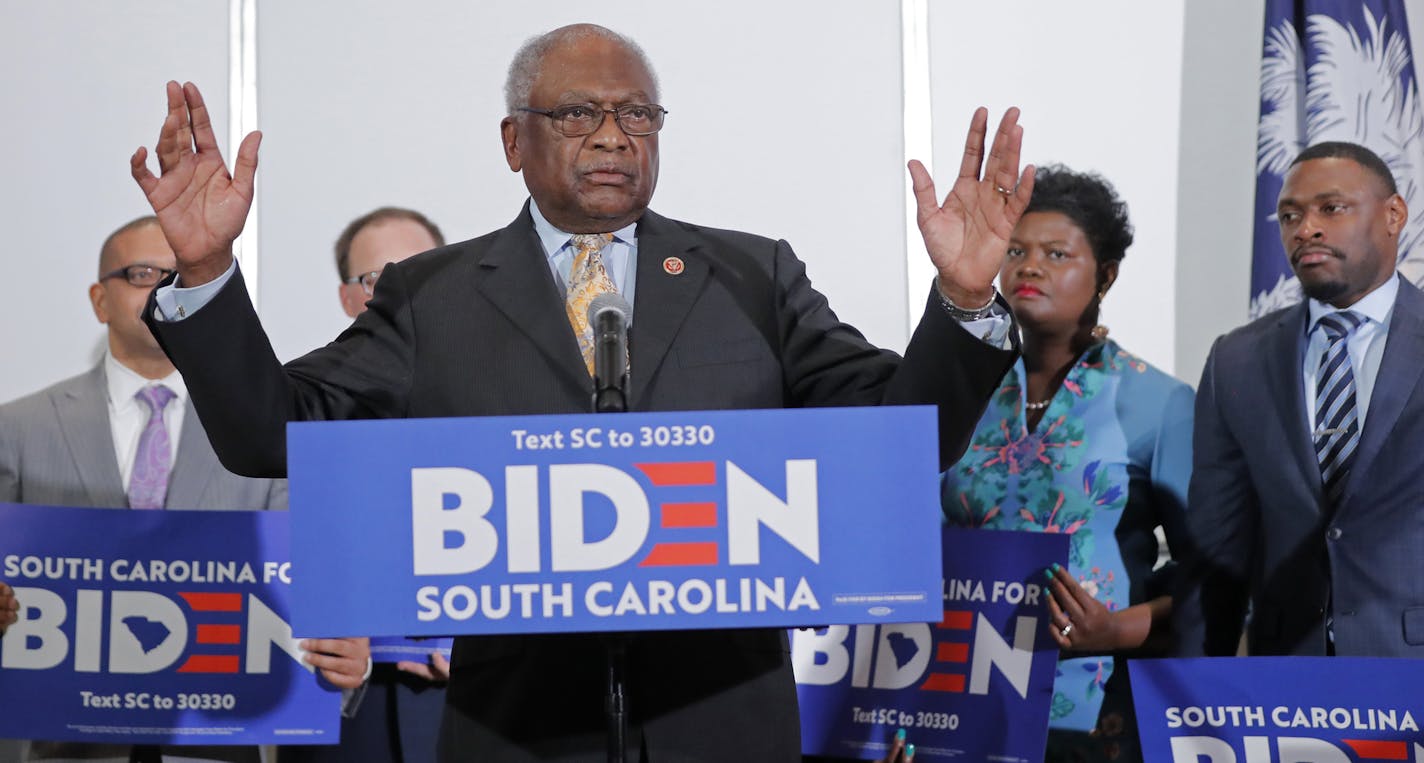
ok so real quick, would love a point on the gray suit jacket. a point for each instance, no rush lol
(1258, 519)
(57, 449)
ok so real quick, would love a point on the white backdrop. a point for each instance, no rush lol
(367, 103)
(404, 108)
(83, 88)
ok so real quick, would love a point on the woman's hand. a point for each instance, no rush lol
(900, 752)
(1078, 622)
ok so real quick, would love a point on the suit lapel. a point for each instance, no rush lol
(193, 465)
(664, 296)
(1284, 358)
(1396, 380)
(83, 414)
(515, 277)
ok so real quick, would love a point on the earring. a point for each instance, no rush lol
(1100, 332)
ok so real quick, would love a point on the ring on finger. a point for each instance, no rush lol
(1003, 190)
(1067, 629)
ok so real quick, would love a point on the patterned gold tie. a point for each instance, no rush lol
(587, 279)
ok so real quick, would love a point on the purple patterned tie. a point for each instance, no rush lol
(148, 484)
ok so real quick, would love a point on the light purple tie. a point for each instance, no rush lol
(148, 483)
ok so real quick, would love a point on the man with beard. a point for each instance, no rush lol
(1305, 492)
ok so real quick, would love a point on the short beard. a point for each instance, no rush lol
(1324, 291)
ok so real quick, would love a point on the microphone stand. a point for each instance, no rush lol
(609, 396)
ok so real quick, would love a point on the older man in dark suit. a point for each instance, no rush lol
(1306, 496)
(495, 326)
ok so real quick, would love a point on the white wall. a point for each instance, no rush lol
(1217, 157)
(1099, 87)
(83, 88)
(404, 108)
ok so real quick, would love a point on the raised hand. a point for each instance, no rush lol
(968, 235)
(200, 206)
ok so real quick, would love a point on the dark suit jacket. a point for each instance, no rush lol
(478, 328)
(57, 449)
(1260, 525)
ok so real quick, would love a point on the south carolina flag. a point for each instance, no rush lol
(1334, 70)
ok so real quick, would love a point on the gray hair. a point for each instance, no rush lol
(529, 60)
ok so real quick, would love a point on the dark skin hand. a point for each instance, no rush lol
(1096, 629)
(9, 607)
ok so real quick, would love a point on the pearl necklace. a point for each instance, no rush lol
(1040, 405)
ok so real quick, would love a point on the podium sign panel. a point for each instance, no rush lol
(976, 685)
(154, 627)
(617, 522)
(1263, 709)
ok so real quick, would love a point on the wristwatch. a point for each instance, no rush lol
(963, 314)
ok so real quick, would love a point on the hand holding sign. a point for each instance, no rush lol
(437, 670)
(900, 752)
(342, 661)
(9, 607)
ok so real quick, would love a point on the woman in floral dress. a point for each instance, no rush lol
(1085, 439)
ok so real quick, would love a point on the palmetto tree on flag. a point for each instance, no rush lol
(1334, 70)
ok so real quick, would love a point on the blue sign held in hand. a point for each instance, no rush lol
(974, 686)
(154, 627)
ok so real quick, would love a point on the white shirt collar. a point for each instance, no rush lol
(1377, 305)
(555, 240)
(125, 383)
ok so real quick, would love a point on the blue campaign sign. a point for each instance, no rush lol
(401, 649)
(1266, 709)
(618, 522)
(975, 686)
(154, 627)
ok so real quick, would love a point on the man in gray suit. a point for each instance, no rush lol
(1305, 492)
(124, 435)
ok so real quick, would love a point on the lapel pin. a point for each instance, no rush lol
(673, 266)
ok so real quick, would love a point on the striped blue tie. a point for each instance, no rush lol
(1337, 423)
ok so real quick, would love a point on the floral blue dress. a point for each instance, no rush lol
(1108, 462)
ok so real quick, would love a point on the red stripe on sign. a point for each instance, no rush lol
(957, 620)
(944, 682)
(210, 663)
(681, 555)
(683, 473)
(676, 515)
(213, 602)
(949, 652)
(219, 634)
(1377, 750)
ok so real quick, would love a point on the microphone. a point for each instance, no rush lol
(610, 315)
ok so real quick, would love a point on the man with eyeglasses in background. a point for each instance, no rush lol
(374, 240)
(80, 443)
(399, 717)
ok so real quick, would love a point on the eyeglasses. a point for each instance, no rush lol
(579, 119)
(143, 276)
(367, 281)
